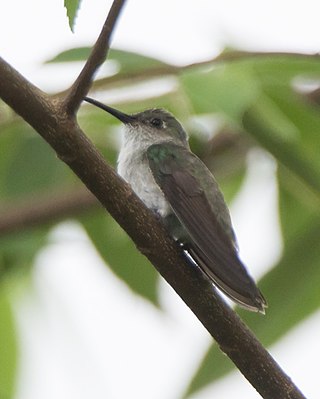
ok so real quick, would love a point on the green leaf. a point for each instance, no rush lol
(291, 288)
(127, 61)
(17, 252)
(276, 70)
(229, 90)
(9, 146)
(8, 347)
(72, 7)
(289, 129)
(298, 205)
(231, 184)
(121, 255)
(71, 55)
(31, 167)
(257, 95)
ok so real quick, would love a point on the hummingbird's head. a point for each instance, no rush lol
(151, 125)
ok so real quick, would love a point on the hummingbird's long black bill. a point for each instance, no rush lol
(125, 118)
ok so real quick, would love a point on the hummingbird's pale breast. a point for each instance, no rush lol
(133, 167)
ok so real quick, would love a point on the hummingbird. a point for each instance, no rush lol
(156, 160)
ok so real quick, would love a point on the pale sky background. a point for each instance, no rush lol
(84, 334)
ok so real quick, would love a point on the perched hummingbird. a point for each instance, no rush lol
(156, 160)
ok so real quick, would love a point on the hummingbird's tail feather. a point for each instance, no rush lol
(248, 296)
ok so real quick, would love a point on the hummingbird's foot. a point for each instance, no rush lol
(157, 214)
(186, 253)
(181, 244)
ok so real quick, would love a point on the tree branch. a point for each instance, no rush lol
(155, 72)
(98, 55)
(54, 121)
(45, 210)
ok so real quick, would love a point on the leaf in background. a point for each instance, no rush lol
(17, 252)
(231, 184)
(231, 88)
(133, 62)
(119, 252)
(291, 288)
(71, 55)
(8, 347)
(127, 61)
(289, 129)
(257, 95)
(282, 69)
(227, 89)
(9, 146)
(72, 7)
(31, 168)
(298, 205)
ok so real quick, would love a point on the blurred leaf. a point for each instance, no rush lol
(121, 255)
(100, 127)
(72, 7)
(298, 206)
(128, 61)
(225, 89)
(30, 167)
(17, 252)
(20, 245)
(282, 69)
(8, 144)
(8, 347)
(133, 62)
(256, 94)
(291, 288)
(289, 130)
(231, 88)
(230, 185)
(71, 55)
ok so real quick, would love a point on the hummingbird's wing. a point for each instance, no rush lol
(197, 202)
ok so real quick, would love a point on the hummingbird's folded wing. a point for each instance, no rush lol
(185, 182)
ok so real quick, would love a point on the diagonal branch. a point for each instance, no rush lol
(98, 55)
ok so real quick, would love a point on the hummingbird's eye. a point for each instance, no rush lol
(156, 122)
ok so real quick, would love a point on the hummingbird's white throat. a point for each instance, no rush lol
(133, 167)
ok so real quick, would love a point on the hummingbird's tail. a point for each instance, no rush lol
(247, 295)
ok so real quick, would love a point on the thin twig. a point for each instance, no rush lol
(98, 55)
(173, 70)
(44, 210)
